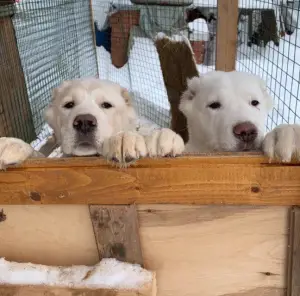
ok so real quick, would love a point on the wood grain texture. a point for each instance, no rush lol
(215, 250)
(6, 2)
(294, 254)
(186, 180)
(15, 112)
(226, 35)
(49, 235)
(178, 64)
(117, 232)
(48, 291)
(194, 250)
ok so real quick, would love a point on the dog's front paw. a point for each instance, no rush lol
(283, 143)
(13, 151)
(164, 142)
(124, 148)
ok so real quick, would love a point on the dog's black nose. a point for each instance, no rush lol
(85, 123)
(245, 131)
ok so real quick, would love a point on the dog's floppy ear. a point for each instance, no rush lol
(267, 97)
(52, 117)
(57, 91)
(125, 94)
(187, 97)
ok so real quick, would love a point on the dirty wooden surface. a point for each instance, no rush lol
(117, 232)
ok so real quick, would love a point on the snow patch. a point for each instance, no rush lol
(107, 274)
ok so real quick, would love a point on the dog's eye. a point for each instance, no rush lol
(106, 105)
(215, 105)
(254, 103)
(69, 105)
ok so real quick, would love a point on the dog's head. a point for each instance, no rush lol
(84, 112)
(226, 111)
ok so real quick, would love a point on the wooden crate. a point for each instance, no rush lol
(218, 225)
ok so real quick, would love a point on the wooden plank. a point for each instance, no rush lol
(294, 254)
(216, 250)
(94, 33)
(226, 35)
(185, 180)
(117, 232)
(177, 63)
(6, 2)
(31, 291)
(16, 114)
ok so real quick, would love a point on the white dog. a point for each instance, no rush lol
(226, 111)
(94, 117)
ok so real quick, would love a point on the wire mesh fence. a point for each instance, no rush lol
(269, 46)
(130, 56)
(43, 43)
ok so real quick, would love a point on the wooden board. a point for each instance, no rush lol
(6, 2)
(294, 254)
(227, 28)
(215, 251)
(178, 64)
(186, 180)
(15, 113)
(30, 291)
(117, 232)
(195, 250)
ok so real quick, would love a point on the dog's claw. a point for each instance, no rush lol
(115, 159)
(129, 159)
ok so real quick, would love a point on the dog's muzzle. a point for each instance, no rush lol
(85, 124)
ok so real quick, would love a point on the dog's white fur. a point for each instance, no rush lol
(115, 136)
(211, 130)
(88, 96)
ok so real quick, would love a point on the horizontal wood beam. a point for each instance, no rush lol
(231, 179)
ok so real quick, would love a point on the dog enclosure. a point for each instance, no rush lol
(219, 225)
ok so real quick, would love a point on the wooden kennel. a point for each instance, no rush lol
(221, 225)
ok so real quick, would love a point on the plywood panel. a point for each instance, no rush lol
(195, 250)
(215, 251)
(51, 235)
